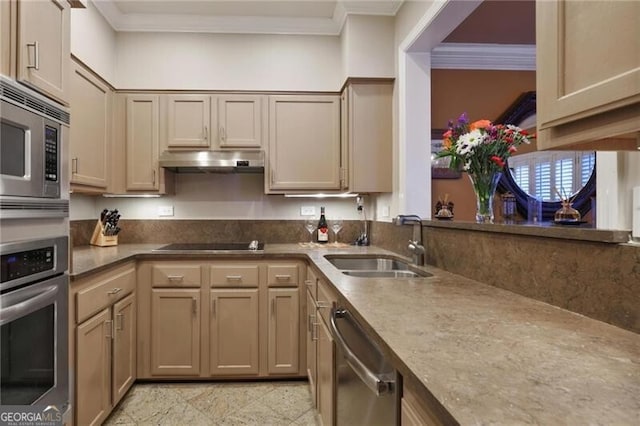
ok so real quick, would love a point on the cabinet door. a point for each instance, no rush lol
(8, 34)
(284, 341)
(312, 338)
(582, 73)
(90, 129)
(142, 142)
(175, 332)
(234, 332)
(124, 346)
(240, 121)
(188, 121)
(93, 369)
(326, 375)
(44, 40)
(304, 143)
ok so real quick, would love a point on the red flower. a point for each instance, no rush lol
(447, 134)
(512, 149)
(499, 161)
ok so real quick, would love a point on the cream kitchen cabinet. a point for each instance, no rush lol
(367, 153)
(175, 332)
(103, 341)
(241, 120)
(312, 346)
(90, 140)
(415, 412)
(304, 144)
(188, 121)
(8, 35)
(43, 50)
(220, 318)
(135, 146)
(234, 332)
(588, 82)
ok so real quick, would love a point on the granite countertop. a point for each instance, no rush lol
(485, 354)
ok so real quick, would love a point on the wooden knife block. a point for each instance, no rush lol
(99, 239)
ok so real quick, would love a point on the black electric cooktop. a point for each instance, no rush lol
(200, 247)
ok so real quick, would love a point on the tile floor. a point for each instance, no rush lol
(221, 403)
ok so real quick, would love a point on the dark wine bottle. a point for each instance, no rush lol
(323, 228)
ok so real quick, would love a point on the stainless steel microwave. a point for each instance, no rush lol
(30, 142)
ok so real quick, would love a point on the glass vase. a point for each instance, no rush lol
(484, 186)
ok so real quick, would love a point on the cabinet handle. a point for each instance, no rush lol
(283, 277)
(310, 322)
(234, 277)
(273, 306)
(194, 306)
(213, 307)
(314, 332)
(119, 324)
(173, 278)
(74, 165)
(114, 290)
(223, 136)
(109, 325)
(323, 305)
(36, 55)
(309, 283)
(206, 133)
(153, 177)
(273, 176)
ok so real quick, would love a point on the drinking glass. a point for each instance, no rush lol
(310, 225)
(336, 225)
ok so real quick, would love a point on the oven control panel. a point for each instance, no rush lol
(51, 154)
(24, 263)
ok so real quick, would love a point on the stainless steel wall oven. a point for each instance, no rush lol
(33, 323)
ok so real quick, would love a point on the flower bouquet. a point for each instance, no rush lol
(481, 148)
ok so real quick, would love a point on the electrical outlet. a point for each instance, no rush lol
(385, 211)
(307, 211)
(165, 210)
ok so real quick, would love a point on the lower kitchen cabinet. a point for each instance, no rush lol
(326, 375)
(415, 413)
(175, 332)
(312, 345)
(234, 332)
(284, 341)
(103, 338)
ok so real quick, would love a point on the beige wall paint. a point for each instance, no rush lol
(368, 46)
(193, 61)
(94, 41)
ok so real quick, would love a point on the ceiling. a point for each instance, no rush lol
(313, 17)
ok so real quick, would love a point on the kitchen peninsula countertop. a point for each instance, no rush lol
(486, 355)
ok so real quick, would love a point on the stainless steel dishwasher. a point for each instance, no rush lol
(366, 390)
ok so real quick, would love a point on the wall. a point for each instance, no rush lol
(216, 196)
(193, 61)
(94, 41)
(481, 94)
(367, 46)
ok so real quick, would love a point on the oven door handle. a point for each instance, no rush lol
(12, 312)
(379, 384)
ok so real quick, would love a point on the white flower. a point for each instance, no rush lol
(468, 141)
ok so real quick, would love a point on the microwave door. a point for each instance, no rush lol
(22, 153)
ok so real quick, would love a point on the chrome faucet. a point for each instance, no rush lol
(416, 244)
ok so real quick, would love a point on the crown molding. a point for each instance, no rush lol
(482, 56)
(243, 24)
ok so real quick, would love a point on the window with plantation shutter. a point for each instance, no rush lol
(538, 173)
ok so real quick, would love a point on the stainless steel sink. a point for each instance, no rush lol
(368, 263)
(387, 274)
(376, 267)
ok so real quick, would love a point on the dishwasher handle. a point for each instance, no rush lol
(379, 384)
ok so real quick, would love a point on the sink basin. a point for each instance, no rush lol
(375, 267)
(368, 263)
(388, 274)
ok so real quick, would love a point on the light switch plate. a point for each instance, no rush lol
(307, 211)
(385, 211)
(165, 210)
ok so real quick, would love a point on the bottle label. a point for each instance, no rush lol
(323, 235)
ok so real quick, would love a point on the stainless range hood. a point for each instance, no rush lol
(213, 161)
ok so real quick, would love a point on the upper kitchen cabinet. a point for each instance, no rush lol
(241, 121)
(188, 121)
(136, 146)
(43, 46)
(304, 144)
(367, 150)
(90, 139)
(588, 81)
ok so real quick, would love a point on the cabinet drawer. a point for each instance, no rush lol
(107, 290)
(175, 275)
(282, 275)
(235, 275)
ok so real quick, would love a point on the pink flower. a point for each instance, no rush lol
(499, 161)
